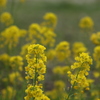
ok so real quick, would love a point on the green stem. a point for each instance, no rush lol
(35, 78)
(73, 86)
(12, 7)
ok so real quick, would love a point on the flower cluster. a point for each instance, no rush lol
(50, 54)
(78, 47)
(6, 18)
(62, 50)
(51, 19)
(86, 22)
(8, 93)
(47, 37)
(10, 36)
(16, 62)
(79, 73)
(4, 58)
(15, 77)
(24, 50)
(96, 56)
(3, 3)
(41, 34)
(35, 71)
(61, 70)
(95, 38)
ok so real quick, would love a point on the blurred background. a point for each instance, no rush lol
(68, 12)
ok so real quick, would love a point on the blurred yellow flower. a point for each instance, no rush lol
(15, 77)
(62, 50)
(8, 93)
(86, 22)
(96, 74)
(4, 58)
(95, 38)
(96, 56)
(78, 47)
(22, 1)
(6, 18)
(16, 62)
(11, 36)
(51, 19)
(50, 54)
(3, 3)
(61, 70)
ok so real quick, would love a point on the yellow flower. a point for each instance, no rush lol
(96, 74)
(8, 93)
(95, 38)
(23, 32)
(78, 47)
(34, 31)
(3, 3)
(5, 58)
(11, 36)
(61, 70)
(59, 85)
(36, 60)
(35, 71)
(51, 19)
(96, 56)
(16, 62)
(15, 77)
(24, 50)
(50, 54)
(86, 22)
(62, 50)
(47, 37)
(78, 76)
(6, 18)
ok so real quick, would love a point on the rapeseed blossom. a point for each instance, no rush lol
(3, 3)
(50, 54)
(35, 71)
(86, 22)
(78, 47)
(4, 58)
(11, 36)
(61, 70)
(8, 93)
(24, 50)
(6, 18)
(95, 38)
(16, 62)
(79, 73)
(15, 77)
(34, 31)
(41, 34)
(48, 37)
(96, 74)
(96, 56)
(51, 19)
(36, 60)
(62, 50)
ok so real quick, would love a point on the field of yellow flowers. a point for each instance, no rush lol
(49, 51)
